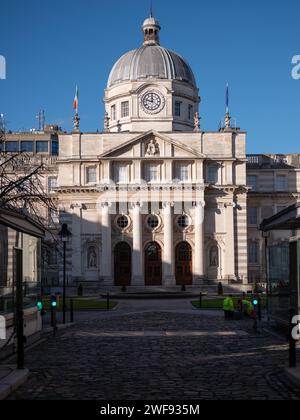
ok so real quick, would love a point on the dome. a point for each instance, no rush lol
(151, 62)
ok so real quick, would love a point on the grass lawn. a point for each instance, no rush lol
(82, 304)
(217, 303)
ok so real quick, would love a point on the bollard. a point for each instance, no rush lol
(71, 311)
(107, 302)
(292, 342)
(200, 301)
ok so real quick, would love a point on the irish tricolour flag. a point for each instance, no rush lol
(76, 99)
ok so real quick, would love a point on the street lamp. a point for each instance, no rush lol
(65, 235)
(266, 236)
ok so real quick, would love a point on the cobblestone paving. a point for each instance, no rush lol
(81, 363)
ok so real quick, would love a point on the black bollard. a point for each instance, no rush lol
(200, 301)
(292, 342)
(71, 311)
(107, 302)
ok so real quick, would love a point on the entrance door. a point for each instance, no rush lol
(122, 264)
(184, 264)
(153, 265)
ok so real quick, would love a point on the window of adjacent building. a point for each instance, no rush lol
(53, 217)
(12, 146)
(252, 216)
(121, 173)
(152, 173)
(42, 147)
(253, 253)
(113, 114)
(27, 146)
(281, 183)
(55, 148)
(213, 173)
(190, 112)
(124, 109)
(178, 108)
(252, 182)
(183, 172)
(52, 184)
(91, 175)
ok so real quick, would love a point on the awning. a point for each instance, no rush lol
(21, 223)
(287, 219)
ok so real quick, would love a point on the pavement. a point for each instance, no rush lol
(158, 350)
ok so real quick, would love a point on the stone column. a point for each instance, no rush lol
(76, 243)
(230, 251)
(199, 244)
(168, 261)
(137, 252)
(106, 251)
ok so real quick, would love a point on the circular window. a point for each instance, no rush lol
(122, 222)
(183, 222)
(152, 222)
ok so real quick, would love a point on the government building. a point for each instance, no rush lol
(154, 200)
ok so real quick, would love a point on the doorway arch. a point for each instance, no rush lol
(184, 264)
(153, 264)
(122, 264)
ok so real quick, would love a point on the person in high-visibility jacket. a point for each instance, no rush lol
(228, 306)
(248, 309)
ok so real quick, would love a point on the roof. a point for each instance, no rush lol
(21, 223)
(287, 219)
(148, 62)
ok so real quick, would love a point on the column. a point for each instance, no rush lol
(106, 251)
(76, 243)
(230, 240)
(137, 253)
(168, 261)
(199, 244)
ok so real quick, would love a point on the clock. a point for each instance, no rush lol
(152, 102)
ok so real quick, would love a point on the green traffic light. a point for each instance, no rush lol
(54, 304)
(39, 305)
(255, 302)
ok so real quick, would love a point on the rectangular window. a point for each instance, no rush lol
(177, 109)
(252, 182)
(121, 173)
(27, 146)
(281, 183)
(252, 216)
(152, 173)
(42, 147)
(55, 148)
(113, 114)
(190, 112)
(53, 217)
(91, 175)
(52, 184)
(253, 253)
(12, 146)
(183, 172)
(213, 174)
(125, 109)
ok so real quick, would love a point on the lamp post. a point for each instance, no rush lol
(266, 236)
(65, 235)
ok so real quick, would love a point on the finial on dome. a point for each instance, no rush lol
(151, 29)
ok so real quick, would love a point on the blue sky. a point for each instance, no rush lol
(50, 46)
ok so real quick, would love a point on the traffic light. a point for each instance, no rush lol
(54, 302)
(255, 301)
(40, 305)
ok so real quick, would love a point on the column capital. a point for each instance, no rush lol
(201, 204)
(168, 204)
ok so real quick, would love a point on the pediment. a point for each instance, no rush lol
(152, 145)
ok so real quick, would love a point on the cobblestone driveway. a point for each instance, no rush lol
(158, 355)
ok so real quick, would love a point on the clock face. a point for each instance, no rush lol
(152, 101)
